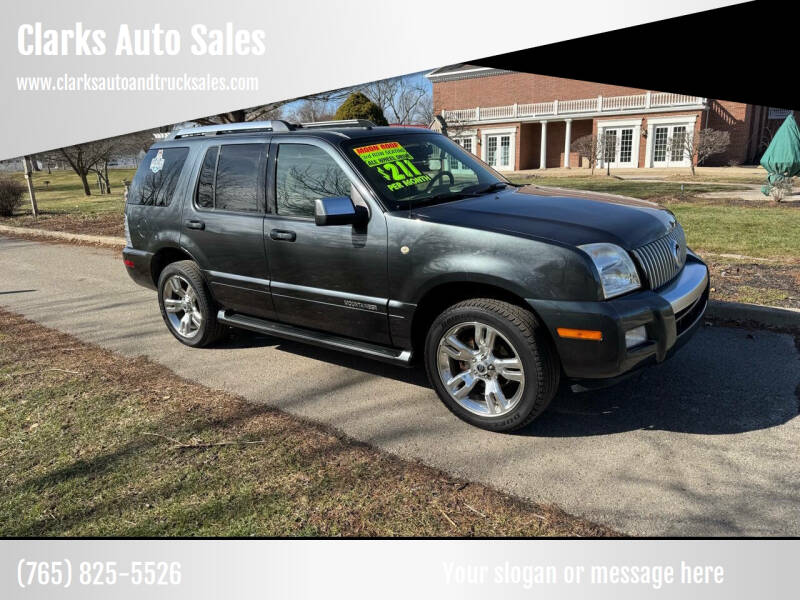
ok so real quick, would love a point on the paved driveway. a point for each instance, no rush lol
(706, 444)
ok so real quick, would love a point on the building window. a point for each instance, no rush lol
(497, 147)
(678, 141)
(491, 150)
(610, 145)
(626, 146)
(505, 145)
(466, 144)
(660, 144)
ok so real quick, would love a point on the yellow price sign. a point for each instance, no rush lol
(393, 163)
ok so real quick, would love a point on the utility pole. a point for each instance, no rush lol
(26, 163)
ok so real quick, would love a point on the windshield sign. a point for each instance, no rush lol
(424, 168)
(393, 163)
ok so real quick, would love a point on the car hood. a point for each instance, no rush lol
(571, 217)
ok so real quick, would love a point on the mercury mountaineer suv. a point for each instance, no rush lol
(396, 244)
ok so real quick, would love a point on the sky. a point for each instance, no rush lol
(415, 78)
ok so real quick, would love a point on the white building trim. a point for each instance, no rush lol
(567, 141)
(442, 73)
(584, 108)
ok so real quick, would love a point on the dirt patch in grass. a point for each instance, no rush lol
(645, 190)
(108, 223)
(755, 283)
(92, 443)
(701, 178)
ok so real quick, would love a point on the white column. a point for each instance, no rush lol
(543, 147)
(648, 151)
(567, 142)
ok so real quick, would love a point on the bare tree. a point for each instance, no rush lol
(313, 110)
(273, 110)
(93, 157)
(402, 99)
(426, 114)
(607, 148)
(706, 143)
(84, 158)
(122, 147)
(587, 146)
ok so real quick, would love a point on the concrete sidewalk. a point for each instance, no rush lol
(705, 444)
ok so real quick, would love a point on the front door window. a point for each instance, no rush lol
(618, 150)
(677, 147)
(499, 151)
(660, 144)
(491, 150)
(669, 146)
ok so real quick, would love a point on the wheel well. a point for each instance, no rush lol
(164, 257)
(436, 300)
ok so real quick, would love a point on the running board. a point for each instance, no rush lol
(318, 338)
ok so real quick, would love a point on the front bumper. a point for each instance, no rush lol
(669, 314)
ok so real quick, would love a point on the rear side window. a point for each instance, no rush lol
(155, 181)
(232, 178)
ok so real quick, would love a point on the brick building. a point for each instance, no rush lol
(517, 121)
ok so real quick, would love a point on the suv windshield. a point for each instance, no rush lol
(412, 170)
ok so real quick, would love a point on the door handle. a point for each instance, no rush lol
(281, 235)
(194, 224)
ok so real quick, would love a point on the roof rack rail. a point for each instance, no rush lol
(231, 128)
(339, 123)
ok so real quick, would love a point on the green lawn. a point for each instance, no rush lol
(64, 193)
(765, 231)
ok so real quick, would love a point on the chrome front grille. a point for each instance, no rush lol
(663, 259)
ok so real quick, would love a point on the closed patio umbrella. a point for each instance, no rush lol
(782, 158)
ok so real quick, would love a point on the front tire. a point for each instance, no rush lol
(186, 306)
(491, 363)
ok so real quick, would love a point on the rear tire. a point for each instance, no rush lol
(491, 363)
(186, 305)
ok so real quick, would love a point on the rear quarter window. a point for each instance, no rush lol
(155, 181)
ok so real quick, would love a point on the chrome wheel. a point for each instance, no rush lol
(180, 304)
(480, 369)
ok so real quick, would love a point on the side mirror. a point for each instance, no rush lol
(338, 210)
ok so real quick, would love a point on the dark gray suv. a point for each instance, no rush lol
(395, 243)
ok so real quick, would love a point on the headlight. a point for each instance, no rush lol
(615, 267)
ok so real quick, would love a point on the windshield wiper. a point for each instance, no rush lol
(497, 185)
(446, 196)
(460, 195)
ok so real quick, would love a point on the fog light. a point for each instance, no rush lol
(636, 336)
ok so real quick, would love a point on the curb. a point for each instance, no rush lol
(755, 314)
(98, 240)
